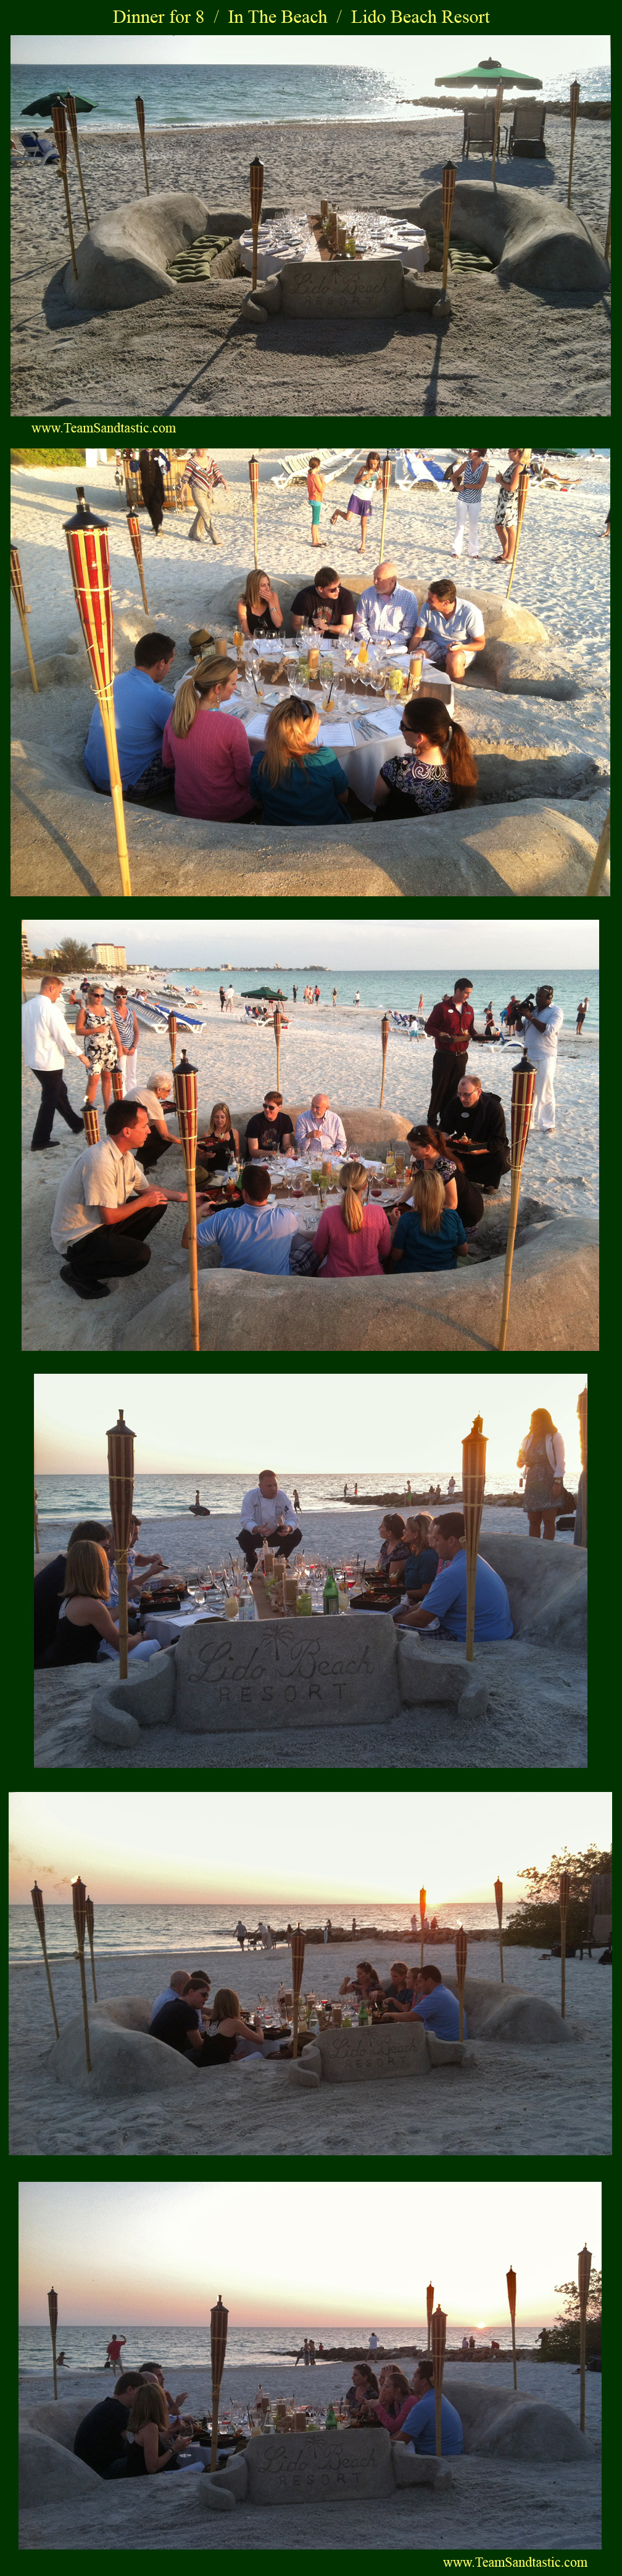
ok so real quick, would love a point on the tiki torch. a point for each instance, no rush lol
(23, 612)
(172, 1036)
(89, 1911)
(253, 476)
(499, 1906)
(121, 1488)
(91, 1123)
(582, 1413)
(87, 546)
(461, 1960)
(511, 2282)
(298, 1955)
(564, 1893)
(134, 535)
(117, 1082)
(72, 121)
(473, 1483)
(583, 2275)
(429, 2302)
(53, 2317)
(449, 191)
(140, 111)
(384, 1033)
(422, 1905)
(523, 1084)
(523, 488)
(386, 478)
(277, 1035)
(574, 111)
(498, 107)
(39, 1913)
(439, 2329)
(78, 1892)
(256, 186)
(37, 1547)
(185, 1090)
(219, 2321)
(595, 880)
(59, 122)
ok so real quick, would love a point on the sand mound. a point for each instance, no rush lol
(514, 2426)
(50, 2474)
(122, 2060)
(533, 241)
(124, 258)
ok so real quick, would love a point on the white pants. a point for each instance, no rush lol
(544, 1096)
(467, 509)
(128, 1069)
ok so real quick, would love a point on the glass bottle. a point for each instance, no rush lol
(363, 2015)
(330, 1596)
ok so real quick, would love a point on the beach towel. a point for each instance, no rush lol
(197, 260)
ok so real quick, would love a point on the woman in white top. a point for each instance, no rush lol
(543, 1456)
(468, 481)
(128, 1031)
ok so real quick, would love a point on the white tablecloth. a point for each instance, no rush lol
(166, 1625)
(275, 255)
(411, 247)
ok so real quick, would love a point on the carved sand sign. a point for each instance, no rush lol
(299, 1673)
(283, 2469)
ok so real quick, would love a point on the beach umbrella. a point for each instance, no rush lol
(117, 1081)
(277, 1034)
(134, 535)
(23, 612)
(90, 1926)
(172, 1036)
(39, 1914)
(253, 476)
(438, 2333)
(91, 1124)
(429, 2302)
(71, 105)
(498, 107)
(53, 2317)
(523, 1083)
(564, 1893)
(602, 854)
(256, 188)
(265, 993)
(449, 191)
(37, 1547)
(384, 1033)
(140, 111)
(422, 1905)
(87, 547)
(461, 1960)
(57, 98)
(499, 1906)
(59, 122)
(121, 1488)
(487, 75)
(386, 478)
(219, 2320)
(523, 488)
(298, 1956)
(574, 111)
(583, 2276)
(511, 2282)
(185, 1090)
(582, 1413)
(78, 1893)
(473, 1483)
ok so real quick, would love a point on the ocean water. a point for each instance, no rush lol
(181, 2347)
(397, 988)
(82, 1497)
(146, 1929)
(239, 93)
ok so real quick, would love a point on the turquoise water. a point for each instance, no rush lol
(398, 988)
(238, 93)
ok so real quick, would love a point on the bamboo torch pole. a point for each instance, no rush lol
(499, 1906)
(78, 1892)
(574, 110)
(449, 190)
(87, 546)
(298, 1953)
(117, 1082)
(23, 612)
(135, 538)
(384, 1033)
(422, 1907)
(185, 1090)
(72, 120)
(277, 1037)
(429, 2303)
(386, 478)
(256, 188)
(140, 111)
(172, 1036)
(461, 1960)
(523, 488)
(37, 1547)
(120, 1442)
(473, 1486)
(59, 122)
(582, 1413)
(439, 2329)
(219, 2321)
(91, 1123)
(90, 1925)
(523, 1084)
(564, 1893)
(39, 1914)
(584, 2270)
(53, 2317)
(595, 881)
(253, 476)
(498, 107)
(511, 2282)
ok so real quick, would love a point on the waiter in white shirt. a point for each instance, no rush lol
(542, 1028)
(319, 1128)
(46, 1040)
(268, 1519)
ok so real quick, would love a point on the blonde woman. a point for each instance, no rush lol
(260, 611)
(102, 1042)
(220, 1145)
(297, 781)
(353, 1240)
(226, 2023)
(151, 2445)
(428, 1234)
(84, 1623)
(507, 505)
(207, 747)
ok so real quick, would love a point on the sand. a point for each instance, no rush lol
(545, 354)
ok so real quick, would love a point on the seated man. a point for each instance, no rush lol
(141, 708)
(179, 2026)
(319, 1129)
(177, 1984)
(253, 1236)
(436, 2006)
(268, 1520)
(447, 1597)
(97, 1223)
(49, 1585)
(475, 1119)
(419, 2429)
(450, 630)
(270, 1131)
(155, 1098)
(100, 2438)
(153, 2370)
(324, 605)
(385, 608)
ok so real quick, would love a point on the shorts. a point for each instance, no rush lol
(315, 513)
(436, 654)
(358, 508)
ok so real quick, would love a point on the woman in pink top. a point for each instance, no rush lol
(355, 1238)
(394, 2402)
(208, 748)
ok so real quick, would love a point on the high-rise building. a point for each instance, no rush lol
(26, 950)
(106, 955)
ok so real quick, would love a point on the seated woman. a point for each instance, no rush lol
(151, 2445)
(226, 2021)
(355, 1239)
(84, 1623)
(431, 1152)
(393, 2403)
(422, 1560)
(428, 1235)
(365, 1983)
(220, 1145)
(436, 770)
(394, 1546)
(364, 2387)
(260, 611)
(207, 748)
(296, 781)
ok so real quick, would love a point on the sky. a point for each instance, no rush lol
(357, 1850)
(418, 61)
(357, 944)
(141, 2253)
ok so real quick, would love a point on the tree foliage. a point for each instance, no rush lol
(537, 1917)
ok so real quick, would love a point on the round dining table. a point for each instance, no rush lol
(363, 738)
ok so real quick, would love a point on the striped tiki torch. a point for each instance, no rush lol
(87, 546)
(583, 2276)
(422, 1907)
(439, 2330)
(384, 1033)
(121, 1488)
(511, 2282)
(133, 530)
(461, 1960)
(582, 1413)
(449, 191)
(429, 2302)
(473, 1484)
(256, 188)
(298, 1959)
(140, 111)
(594, 884)
(59, 122)
(386, 478)
(574, 111)
(172, 1036)
(564, 1894)
(23, 612)
(39, 1914)
(91, 1123)
(53, 2317)
(523, 1084)
(499, 1906)
(117, 1081)
(523, 488)
(277, 1037)
(37, 1547)
(219, 2321)
(72, 121)
(253, 476)
(90, 1926)
(495, 144)
(78, 1892)
(186, 1105)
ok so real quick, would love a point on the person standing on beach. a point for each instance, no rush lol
(360, 511)
(46, 1040)
(297, 1502)
(542, 1455)
(113, 2353)
(468, 481)
(334, 997)
(316, 485)
(506, 513)
(542, 1028)
(582, 1010)
(203, 476)
(452, 1026)
(357, 1001)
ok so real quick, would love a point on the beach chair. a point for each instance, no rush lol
(333, 461)
(478, 131)
(525, 135)
(417, 469)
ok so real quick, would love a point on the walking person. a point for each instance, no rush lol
(468, 482)
(46, 1040)
(152, 483)
(316, 486)
(203, 475)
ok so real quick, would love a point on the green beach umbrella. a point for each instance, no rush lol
(486, 76)
(264, 993)
(57, 98)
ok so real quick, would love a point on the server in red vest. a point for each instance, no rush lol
(452, 1026)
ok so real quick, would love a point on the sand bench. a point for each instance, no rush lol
(532, 241)
(125, 257)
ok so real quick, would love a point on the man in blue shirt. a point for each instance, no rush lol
(432, 2003)
(141, 708)
(254, 1236)
(419, 2430)
(447, 1597)
(450, 630)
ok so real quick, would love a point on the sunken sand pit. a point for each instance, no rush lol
(524, 2458)
(535, 323)
(535, 704)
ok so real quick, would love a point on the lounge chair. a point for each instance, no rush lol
(525, 135)
(417, 469)
(478, 131)
(333, 461)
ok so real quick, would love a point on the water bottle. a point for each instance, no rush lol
(363, 2016)
(330, 1596)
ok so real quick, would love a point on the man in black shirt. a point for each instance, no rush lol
(324, 604)
(271, 1131)
(476, 1119)
(48, 1588)
(100, 2438)
(179, 2025)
